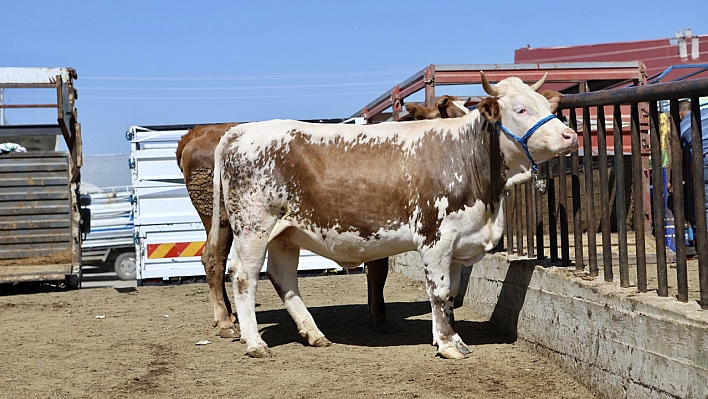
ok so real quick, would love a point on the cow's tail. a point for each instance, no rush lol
(213, 237)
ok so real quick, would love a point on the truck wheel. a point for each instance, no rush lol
(125, 266)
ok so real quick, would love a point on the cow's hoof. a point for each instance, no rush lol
(321, 342)
(451, 352)
(259, 352)
(385, 327)
(230, 332)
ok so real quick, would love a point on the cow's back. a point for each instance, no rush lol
(368, 180)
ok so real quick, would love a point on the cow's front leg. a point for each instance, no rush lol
(283, 259)
(442, 281)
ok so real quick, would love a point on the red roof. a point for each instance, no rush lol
(657, 55)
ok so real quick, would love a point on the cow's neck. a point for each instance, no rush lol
(487, 171)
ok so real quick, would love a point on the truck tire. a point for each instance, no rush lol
(125, 266)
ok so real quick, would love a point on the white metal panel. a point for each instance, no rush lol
(166, 268)
(155, 167)
(164, 205)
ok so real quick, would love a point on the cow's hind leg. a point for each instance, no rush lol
(442, 283)
(283, 259)
(247, 257)
(376, 274)
(214, 268)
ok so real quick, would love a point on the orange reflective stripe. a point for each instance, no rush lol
(158, 251)
(194, 249)
(175, 249)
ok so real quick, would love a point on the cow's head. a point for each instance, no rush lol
(452, 107)
(518, 108)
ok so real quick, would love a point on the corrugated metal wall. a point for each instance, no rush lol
(35, 206)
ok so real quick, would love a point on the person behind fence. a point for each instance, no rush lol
(686, 145)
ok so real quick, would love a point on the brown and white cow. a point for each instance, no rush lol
(354, 193)
(446, 107)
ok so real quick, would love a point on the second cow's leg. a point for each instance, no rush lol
(283, 259)
(376, 274)
(214, 268)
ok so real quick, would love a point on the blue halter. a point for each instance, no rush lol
(524, 140)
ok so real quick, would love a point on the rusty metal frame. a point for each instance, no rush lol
(599, 75)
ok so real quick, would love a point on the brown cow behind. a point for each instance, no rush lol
(195, 157)
(447, 107)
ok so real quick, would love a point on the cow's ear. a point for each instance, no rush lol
(489, 108)
(442, 102)
(554, 98)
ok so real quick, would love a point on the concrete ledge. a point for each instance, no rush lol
(616, 341)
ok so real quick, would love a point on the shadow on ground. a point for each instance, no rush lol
(349, 324)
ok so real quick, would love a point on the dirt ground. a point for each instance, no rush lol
(53, 345)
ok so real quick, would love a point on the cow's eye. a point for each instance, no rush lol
(521, 111)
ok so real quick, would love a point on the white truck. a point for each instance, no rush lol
(110, 239)
(169, 236)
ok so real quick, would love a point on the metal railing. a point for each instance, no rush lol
(533, 214)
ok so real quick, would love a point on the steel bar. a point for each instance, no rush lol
(7, 106)
(658, 200)
(655, 92)
(509, 222)
(552, 224)
(589, 194)
(27, 85)
(620, 197)
(563, 211)
(575, 186)
(517, 206)
(430, 86)
(700, 198)
(529, 202)
(677, 193)
(605, 207)
(637, 190)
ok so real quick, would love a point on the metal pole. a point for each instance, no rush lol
(620, 197)
(2, 110)
(658, 201)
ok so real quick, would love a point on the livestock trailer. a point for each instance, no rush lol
(40, 212)
(169, 236)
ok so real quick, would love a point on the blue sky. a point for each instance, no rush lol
(172, 62)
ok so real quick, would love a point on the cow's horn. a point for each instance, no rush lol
(487, 87)
(538, 84)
